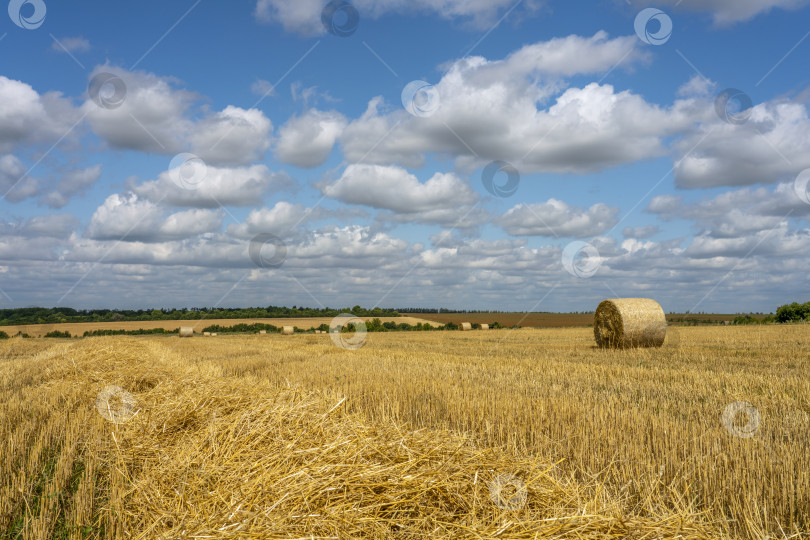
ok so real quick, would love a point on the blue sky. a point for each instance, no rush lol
(144, 149)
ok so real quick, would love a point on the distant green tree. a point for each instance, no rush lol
(745, 319)
(794, 312)
(375, 325)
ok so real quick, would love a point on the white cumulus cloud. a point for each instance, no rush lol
(129, 218)
(217, 186)
(558, 219)
(157, 116)
(307, 140)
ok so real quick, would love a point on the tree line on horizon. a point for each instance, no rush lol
(789, 313)
(57, 315)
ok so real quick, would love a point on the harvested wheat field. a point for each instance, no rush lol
(510, 434)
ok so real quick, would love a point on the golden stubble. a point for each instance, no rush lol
(445, 434)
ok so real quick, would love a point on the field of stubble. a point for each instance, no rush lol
(513, 434)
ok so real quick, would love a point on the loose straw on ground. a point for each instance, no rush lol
(208, 456)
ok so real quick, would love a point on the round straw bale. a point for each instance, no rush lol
(213, 333)
(287, 330)
(262, 331)
(629, 322)
(484, 326)
(465, 326)
(186, 331)
(206, 333)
